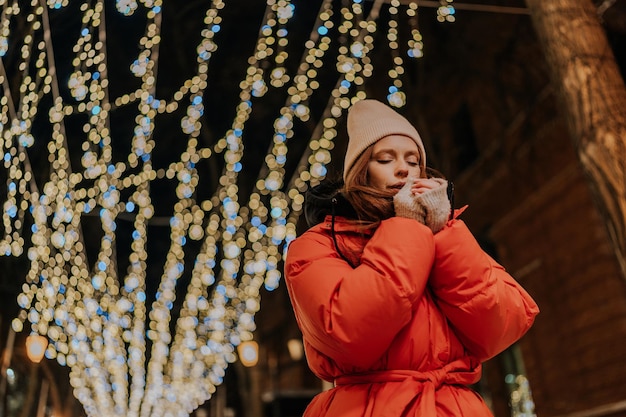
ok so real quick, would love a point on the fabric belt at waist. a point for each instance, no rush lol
(464, 371)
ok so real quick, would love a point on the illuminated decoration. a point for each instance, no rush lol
(248, 352)
(522, 404)
(445, 12)
(36, 347)
(296, 349)
(132, 352)
(396, 96)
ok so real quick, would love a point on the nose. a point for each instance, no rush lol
(402, 169)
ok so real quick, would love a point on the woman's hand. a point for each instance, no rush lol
(421, 185)
(425, 200)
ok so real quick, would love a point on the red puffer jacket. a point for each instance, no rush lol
(404, 332)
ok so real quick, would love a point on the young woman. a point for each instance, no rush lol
(397, 303)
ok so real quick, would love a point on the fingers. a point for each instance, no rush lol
(421, 185)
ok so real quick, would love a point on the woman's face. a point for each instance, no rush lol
(394, 159)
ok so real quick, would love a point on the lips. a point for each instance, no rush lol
(397, 186)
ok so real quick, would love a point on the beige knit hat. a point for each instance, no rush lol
(368, 122)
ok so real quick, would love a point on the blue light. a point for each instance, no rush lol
(130, 206)
(215, 28)
(276, 212)
(96, 75)
(102, 266)
(393, 89)
(237, 167)
(141, 296)
(197, 100)
(322, 30)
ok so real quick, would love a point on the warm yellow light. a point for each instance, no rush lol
(36, 347)
(68, 301)
(296, 349)
(248, 353)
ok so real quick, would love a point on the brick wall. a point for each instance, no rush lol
(536, 209)
(529, 202)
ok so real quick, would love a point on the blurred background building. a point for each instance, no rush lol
(156, 154)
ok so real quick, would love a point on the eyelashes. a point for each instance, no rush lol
(387, 161)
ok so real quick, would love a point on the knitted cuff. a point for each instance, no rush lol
(406, 205)
(436, 205)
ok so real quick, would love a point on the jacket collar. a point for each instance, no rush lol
(343, 224)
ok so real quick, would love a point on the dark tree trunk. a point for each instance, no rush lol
(593, 97)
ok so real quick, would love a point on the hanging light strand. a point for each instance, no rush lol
(396, 96)
(310, 170)
(267, 233)
(16, 124)
(232, 237)
(95, 316)
(415, 44)
(446, 11)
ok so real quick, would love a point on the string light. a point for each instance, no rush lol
(446, 11)
(396, 97)
(123, 357)
(521, 399)
(415, 44)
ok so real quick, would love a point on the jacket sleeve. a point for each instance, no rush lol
(352, 315)
(487, 308)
